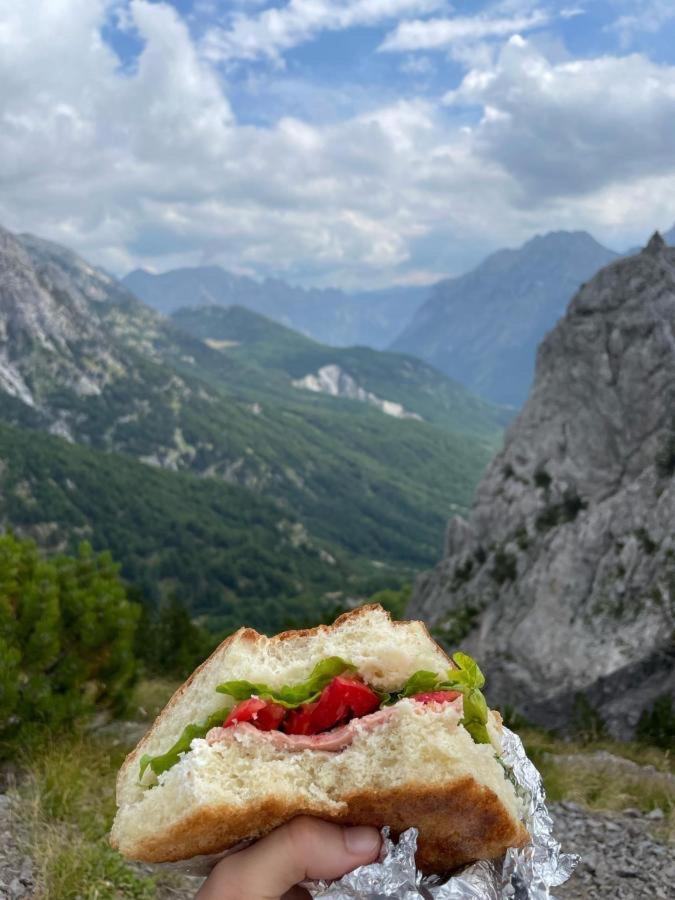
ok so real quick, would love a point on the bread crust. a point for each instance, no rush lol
(459, 819)
(458, 823)
(253, 637)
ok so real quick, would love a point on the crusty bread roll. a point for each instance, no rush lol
(418, 767)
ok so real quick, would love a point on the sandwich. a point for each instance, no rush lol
(363, 722)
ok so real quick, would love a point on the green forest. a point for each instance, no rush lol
(230, 557)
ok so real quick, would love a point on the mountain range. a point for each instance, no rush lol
(562, 578)
(481, 328)
(160, 443)
(370, 318)
(484, 327)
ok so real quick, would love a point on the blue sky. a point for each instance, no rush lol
(357, 143)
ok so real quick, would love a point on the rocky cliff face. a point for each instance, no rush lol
(79, 355)
(562, 579)
(47, 333)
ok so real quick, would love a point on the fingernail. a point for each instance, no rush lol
(361, 840)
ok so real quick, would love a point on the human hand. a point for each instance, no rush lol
(303, 849)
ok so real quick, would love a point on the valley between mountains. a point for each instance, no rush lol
(208, 471)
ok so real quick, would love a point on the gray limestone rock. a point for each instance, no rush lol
(562, 581)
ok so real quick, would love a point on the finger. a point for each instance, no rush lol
(304, 848)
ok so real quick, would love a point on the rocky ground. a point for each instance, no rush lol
(17, 874)
(624, 854)
(16, 869)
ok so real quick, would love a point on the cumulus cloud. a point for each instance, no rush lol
(575, 126)
(276, 29)
(571, 12)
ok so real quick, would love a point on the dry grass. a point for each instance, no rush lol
(67, 803)
(601, 775)
(538, 743)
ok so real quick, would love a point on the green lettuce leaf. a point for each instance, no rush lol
(466, 678)
(290, 696)
(165, 761)
(419, 683)
(467, 672)
(469, 679)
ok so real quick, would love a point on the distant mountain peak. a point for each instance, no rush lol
(655, 245)
(561, 237)
(483, 327)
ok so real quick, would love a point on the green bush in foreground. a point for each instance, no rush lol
(66, 636)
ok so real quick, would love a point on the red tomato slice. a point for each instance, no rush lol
(263, 714)
(244, 711)
(269, 718)
(299, 721)
(343, 698)
(358, 696)
(437, 696)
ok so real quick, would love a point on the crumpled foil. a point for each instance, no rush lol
(524, 874)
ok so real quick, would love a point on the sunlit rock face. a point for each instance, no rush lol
(82, 358)
(562, 579)
(335, 382)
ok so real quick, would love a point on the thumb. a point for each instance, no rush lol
(302, 849)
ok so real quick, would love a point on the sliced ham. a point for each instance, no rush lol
(331, 741)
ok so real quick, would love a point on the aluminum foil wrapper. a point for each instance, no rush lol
(525, 874)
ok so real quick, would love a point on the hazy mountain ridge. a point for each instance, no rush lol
(411, 384)
(483, 327)
(329, 315)
(563, 576)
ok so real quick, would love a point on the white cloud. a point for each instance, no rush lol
(651, 16)
(571, 12)
(150, 166)
(572, 127)
(440, 34)
(417, 65)
(275, 30)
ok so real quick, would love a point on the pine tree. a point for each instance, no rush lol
(66, 635)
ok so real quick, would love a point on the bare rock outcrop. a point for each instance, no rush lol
(562, 580)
